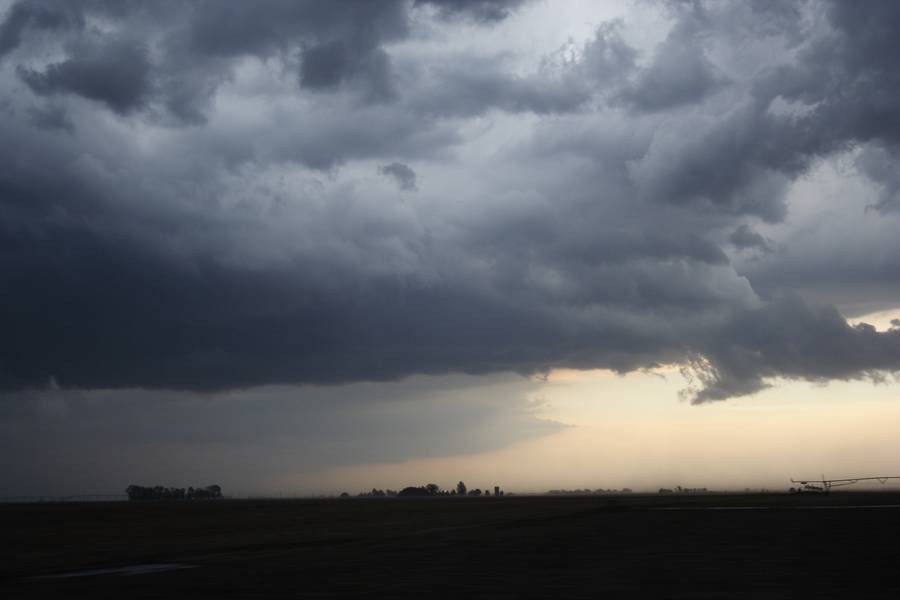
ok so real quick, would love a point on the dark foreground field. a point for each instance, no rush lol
(539, 547)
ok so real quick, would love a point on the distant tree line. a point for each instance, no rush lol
(158, 492)
(429, 489)
(680, 490)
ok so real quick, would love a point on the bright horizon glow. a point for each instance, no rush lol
(632, 431)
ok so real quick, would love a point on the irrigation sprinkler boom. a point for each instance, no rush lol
(827, 484)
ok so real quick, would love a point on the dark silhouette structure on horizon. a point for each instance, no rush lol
(427, 490)
(158, 492)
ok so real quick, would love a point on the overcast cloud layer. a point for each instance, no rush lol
(216, 195)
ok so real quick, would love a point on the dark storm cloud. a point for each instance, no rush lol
(478, 10)
(329, 65)
(324, 65)
(92, 306)
(50, 117)
(843, 80)
(744, 238)
(405, 176)
(115, 73)
(880, 164)
(225, 228)
(788, 338)
(342, 42)
(473, 88)
(338, 42)
(680, 73)
(232, 27)
(607, 58)
(25, 16)
(472, 85)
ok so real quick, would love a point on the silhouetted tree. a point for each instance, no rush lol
(461, 488)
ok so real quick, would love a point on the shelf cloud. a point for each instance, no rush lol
(206, 196)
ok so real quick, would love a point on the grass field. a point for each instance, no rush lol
(844, 545)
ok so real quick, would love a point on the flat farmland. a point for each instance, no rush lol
(844, 545)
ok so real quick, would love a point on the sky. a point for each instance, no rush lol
(303, 247)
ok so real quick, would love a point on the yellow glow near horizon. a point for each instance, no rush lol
(647, 441)
(632, 431)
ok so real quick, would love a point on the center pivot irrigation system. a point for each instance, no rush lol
(811, 485)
